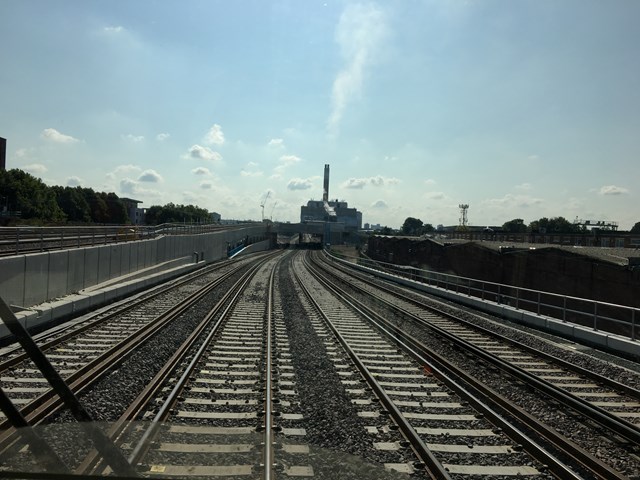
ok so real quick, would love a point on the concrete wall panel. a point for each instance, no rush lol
(33, 279)
(91, 264)
(133, 257)
(12, 274)
(151, 254)
(104, 263)
(58, 274)
(125, 259)
(36, 278)
(115, 254)
(142, 254)
(75, 273)
(162, 247)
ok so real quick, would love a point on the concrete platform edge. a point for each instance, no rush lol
(93, 298)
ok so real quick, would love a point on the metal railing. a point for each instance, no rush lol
(26, 239)
(599, 316)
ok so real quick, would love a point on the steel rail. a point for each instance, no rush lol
(433, 467)
(65, 395)
(119, 429)
(47, 403)
(609, 382)
(447, 372)
(268, 462)
(606, 419)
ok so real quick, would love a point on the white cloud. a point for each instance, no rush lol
(435, 196)
(203, 153)
(523, 186)
(22, 153)
(127, 168)
(132, 138)
(150, 176)
(429, 181)
(246, 173)
(74, 181)
(285, 162)
(54, 135)
(355, 183)
(161, 137)
(214, 136)
(509, 200)
(123, 170)
(35, 168)
(380, 204)
(206, 185)
(299, 184)
(190, 197)
(276, 142)
(201, 171)
(377, 181)
(612, 190)
(289, 159)
(360, 31)
(132, 187)
(128, 186)
(116, 29)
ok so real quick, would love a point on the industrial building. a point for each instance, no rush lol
(330, 210)
(3, 153)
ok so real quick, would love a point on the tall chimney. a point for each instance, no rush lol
(3, 153)
(325, 193)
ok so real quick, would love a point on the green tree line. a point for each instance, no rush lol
(171, 213)
(415, 227)
(40, 203)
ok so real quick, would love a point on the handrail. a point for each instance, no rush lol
(29, 239)
(594, 314)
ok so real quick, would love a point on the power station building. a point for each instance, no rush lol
(330, 210)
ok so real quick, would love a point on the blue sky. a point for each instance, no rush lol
(521, 109)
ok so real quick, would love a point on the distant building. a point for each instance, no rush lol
(330, 211)
(3, 153)
(315, 211)
(373, 227)
(136, 215)
(215, 217)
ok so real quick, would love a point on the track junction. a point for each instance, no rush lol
(288, 363)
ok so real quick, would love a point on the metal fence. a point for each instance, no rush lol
(25, 239)
(600, 316)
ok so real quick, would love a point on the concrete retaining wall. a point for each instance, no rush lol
(28, 280)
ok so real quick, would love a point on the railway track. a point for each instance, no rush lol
(85, 353)
(295, 361)
(215, 418)
(590, 398)
(233, 408)
(441, 420)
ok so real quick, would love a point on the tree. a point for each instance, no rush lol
(116, 211)
(515, 226)
(73, 204)
(553, 225)
(30, 196)
(97, 205)
(411, 226)
(635, 228)
(427, 228)
(171, 213)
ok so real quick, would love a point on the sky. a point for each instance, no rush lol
(519, 109)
